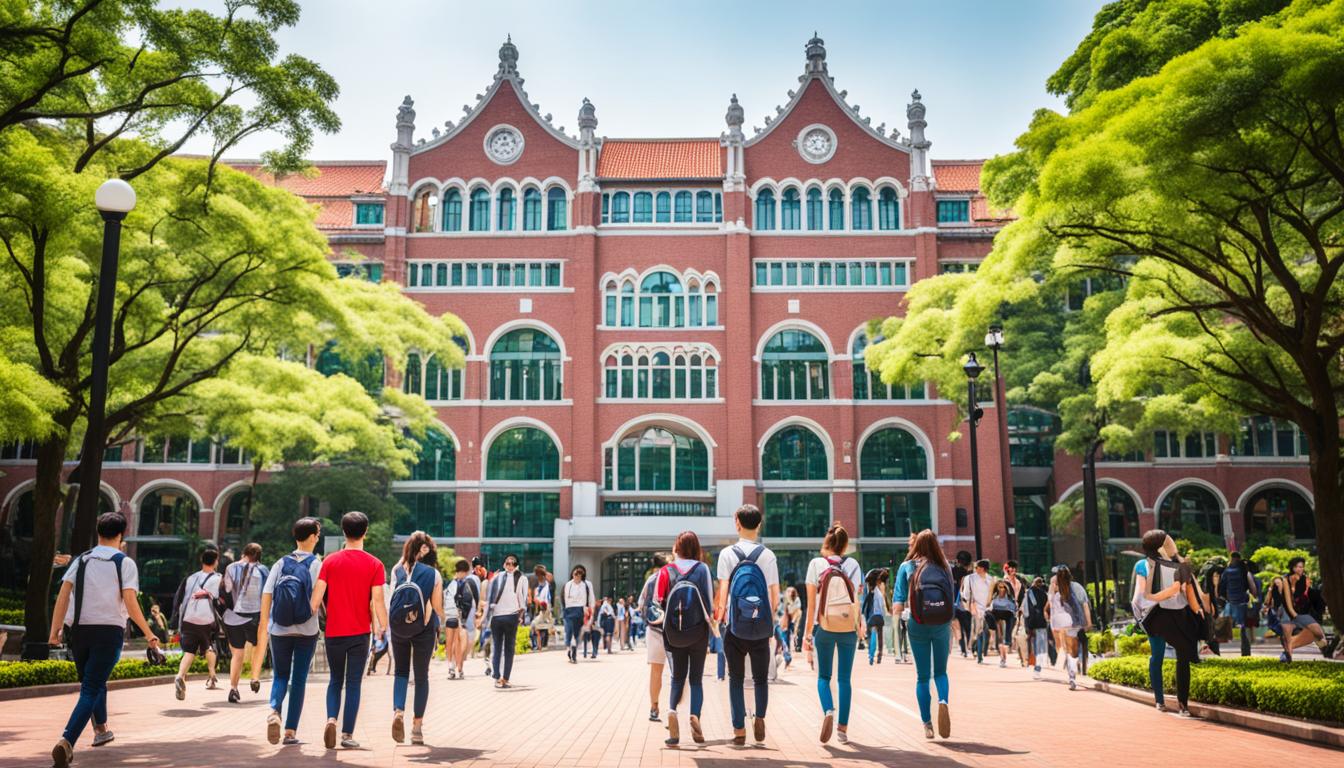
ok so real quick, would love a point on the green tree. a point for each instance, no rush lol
(326, 492)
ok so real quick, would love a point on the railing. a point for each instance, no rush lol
(653, 508)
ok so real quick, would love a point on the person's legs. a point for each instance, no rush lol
(282, 657)
(304, 648)
(759, 651)
(1041, 649)
(401, 672)
(695, 678)
(921, 648)
(846, 646)
(504, 629)
(235, 666)
(681, 665)
(824, 643)
(963, 628)
(357, 655)
(422, 650)
(941, 647)
(736, 655)
(655, 684)
(96, 653)
(1183, 682)
(1157, 651)
(184, 665)
(336, 667)
(497, 650)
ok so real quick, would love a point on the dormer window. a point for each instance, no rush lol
(368, 214)
(954, 211)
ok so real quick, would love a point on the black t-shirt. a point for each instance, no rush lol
(959, 573)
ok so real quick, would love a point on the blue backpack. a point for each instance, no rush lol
(291, 599)
(932, 596)
(749, 616)
(408, 607)
(685, 618)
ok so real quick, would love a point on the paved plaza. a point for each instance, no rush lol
(595, 714)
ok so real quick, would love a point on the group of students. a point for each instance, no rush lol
(592, 625)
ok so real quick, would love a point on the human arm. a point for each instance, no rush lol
(264, 624)
(436, 600)
(811, 622)
(132, 601)
(379, 609)
(58, 613)
(319, 589)
(720, 600)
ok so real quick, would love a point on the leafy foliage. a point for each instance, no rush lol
(19, 674)
(327, 493)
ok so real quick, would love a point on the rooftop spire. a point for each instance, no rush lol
(508, 58)
(735, 117)
(816, 56)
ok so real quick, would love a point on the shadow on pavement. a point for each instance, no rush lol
(888, 756)
(976, 748)
(187, 712)
(438, 755)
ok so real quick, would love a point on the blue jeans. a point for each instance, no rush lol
(291, 657)
(843, 645)
(416, 650)
(1237, 612)
(1040, 639)
(96, 650)
(716, 648)
(929, 645)
(346, 657)
(688, 667)
(504, 629)
(1157, 651)
(783, 637)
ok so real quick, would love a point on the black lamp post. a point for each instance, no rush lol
(114, 200)
(994, 341)
(973, 369)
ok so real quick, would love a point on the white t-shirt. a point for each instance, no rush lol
(102, 605)
(198, 610)
(767, 562)
(246, 581)
(976, 589)
(578, 595)
(542, 594)
(511, 598)
(309, 627)
(849, 566)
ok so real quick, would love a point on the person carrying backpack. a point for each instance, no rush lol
(351, 581)
(414, 613)
(289, 623)
(651, 612)
(97, 597)
(198, 621)
(1033, 616)
(461, 598)
(748, 596)
(504, 611)
(925, 582)
(1237, 587)
(875, 611)
(576, 604)
(683, 590)
(834, 625)
(243, 582)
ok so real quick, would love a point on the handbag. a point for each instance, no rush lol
(1222, 629)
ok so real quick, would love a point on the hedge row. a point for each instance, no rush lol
(12, 616)
(1313, 690)
(18, 674)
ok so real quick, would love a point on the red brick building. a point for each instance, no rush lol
(659, 330)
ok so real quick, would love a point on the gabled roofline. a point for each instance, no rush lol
(893, 141)
(517, 81)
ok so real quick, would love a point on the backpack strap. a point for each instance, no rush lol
(755, 554)
(79, 586)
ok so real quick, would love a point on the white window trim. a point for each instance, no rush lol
(714, 225)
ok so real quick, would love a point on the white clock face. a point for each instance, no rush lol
(816, 143)
(504, 144)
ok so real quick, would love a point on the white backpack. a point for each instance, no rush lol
(837, 607)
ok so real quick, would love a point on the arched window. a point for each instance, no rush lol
(643, 208)
(663, 208)
(368, 371)
(437, 457)
(888, 209)
(790, 210)
(662, 303)
(684, 212)
(1188, 508)
(1122, 514)
(422, 211)
(620, 208)
(442, 383)
(765, 210)
(1278, 511)
(893, 453)
(663, 300)
(656, 459)
(531, 209)
(452, 211)
(168, 512)
(480, 210)
(413, 382)
(522, 453)
(504, 219)
(236, 512)
(815, 214)
(861, 206)
(794, 366)
(704, 208)
(525, 364)
(868, 384)
(661, 375)
(794, 453)
(837, 210)
(557, 213)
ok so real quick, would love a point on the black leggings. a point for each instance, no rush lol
(1182, 682)
(688, 667)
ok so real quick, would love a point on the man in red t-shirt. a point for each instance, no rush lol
(351, 581)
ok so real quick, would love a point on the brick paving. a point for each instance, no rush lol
(595, 714)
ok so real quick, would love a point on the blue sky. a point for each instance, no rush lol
(667, 69)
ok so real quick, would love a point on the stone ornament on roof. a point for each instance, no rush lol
(508, 58)
(405, 113)
(816, 56)
(587, 116)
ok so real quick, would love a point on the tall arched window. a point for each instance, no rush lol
(422, 211)
(168, 512)
(480, 210)
(790, 210)
(643, 213)
(620, 208)
(663, 300)
(452, 211)
(794, 454)
(685, 208)
(663, 208)
(861, 207)
(1188, 508)
(662, 303)
(531, 209)
(525, 364)
(893, 453)
(656, 459)
(557, 213)
(836, 206)
(1122, 514)
(868, 384)
(704, 208)
(437, 457)
(1276, 511)
(427, 377)
(794, 366)
(521, 454)
(663, 373)
(888, 209)
(816, 215)
(413, 382)
(504, 219)
(765, 210)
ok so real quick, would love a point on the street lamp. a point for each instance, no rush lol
(114, 199)
(994, 341)
(973, 369)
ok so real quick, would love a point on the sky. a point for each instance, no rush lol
(663, 69)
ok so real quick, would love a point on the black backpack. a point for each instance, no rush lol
(1035, 602)
(932, 595)
(465, 597)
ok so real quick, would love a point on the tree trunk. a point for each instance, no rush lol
(1327, 480)
(83, 533)
(46, 500)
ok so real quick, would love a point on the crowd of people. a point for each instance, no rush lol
(690, 606)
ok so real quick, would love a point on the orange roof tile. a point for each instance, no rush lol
(957, 175)
(325, 179)
(660, 159)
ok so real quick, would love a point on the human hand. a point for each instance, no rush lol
(55, 638)
(153, 641)
(198, 594)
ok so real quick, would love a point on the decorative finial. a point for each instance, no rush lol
(816, 56)
(587, 118)
(735, 117)
(508, 58)
(405, 114)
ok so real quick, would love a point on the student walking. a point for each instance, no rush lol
(542, 619)
(683, 588)
(1038, 627)
(461, 598)
(834, 625)
(875, 612)
(577, 603)
(351, 580)
(104, 583)
(622, 625)
(1069, 614)
(414, 614)
(925, 582)
(289, 623)
(243, 583)
(199, 621)
(504, 612)
(650, 610)
(1296, 613)
(748, 596)
(784, 628)
(1003, 613)
(1237, 587)
(1174, 611)
(962, 628)
(976, 595)
(606, 616)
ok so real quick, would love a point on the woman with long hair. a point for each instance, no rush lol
(688, 654)
(1069, 613)
(1003, 611)
(1295, 613)
(926, 571)
(825, 628)
(418, 566)
(875, 611)
(1176, 613)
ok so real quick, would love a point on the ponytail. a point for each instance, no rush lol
(837, 540)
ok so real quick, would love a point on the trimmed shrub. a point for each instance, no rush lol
(12, 616)
(1133, 645)
(19, 674)
(1099, 643)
